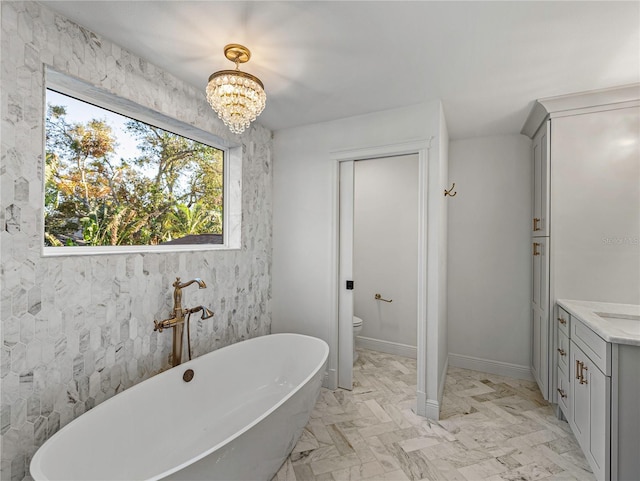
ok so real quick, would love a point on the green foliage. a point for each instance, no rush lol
(172, 189)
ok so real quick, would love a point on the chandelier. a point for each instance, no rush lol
(237, 97)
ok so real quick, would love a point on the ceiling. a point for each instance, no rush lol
(324, 60)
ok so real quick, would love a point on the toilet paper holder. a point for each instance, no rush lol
(378, 297)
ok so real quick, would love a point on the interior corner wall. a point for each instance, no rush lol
(442, 257)
(489, 267)
(303, 209)
(77, 330)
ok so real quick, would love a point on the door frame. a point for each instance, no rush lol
(427, 362)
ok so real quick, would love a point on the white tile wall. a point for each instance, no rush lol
(76, 331)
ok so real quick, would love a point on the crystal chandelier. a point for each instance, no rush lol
(237, 97)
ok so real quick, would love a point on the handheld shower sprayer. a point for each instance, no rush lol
(206, 314)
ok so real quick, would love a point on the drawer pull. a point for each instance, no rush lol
(562, 393)
(535, 224)
(583, 368)
(578, 369)
(561, 320)
(562, 352)
(536, 252)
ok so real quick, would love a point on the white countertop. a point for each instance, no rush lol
(617, 323)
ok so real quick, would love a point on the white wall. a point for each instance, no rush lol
(385, 249)
(489, 264)
(304, 209)
(442, 210)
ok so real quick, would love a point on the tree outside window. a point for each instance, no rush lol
(112, 180)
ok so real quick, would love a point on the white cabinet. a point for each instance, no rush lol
(598, 390)
(540, 158)
(540, 256)
(540, 312)
(585, 193)
(590, 395)
(540, 335)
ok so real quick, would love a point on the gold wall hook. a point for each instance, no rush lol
(448, 192)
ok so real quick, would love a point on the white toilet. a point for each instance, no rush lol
(357, 327)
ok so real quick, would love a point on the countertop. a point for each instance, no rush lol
(624, 329)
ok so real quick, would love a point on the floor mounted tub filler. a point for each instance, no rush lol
(237, 419)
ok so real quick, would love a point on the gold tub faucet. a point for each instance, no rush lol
(177, 319)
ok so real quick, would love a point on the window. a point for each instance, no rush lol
(115, 182)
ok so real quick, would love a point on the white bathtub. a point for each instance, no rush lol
(239, 418)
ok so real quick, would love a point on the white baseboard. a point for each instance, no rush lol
(432, 409)
(493, 367)
(421, 404)
(387, 346)
(330, 379)
(443, 379)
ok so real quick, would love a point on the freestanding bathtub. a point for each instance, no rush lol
(238, 419)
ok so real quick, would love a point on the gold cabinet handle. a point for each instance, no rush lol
(535, 224)
(562, 352)
(582, 369)
(562, 321)
(562, 393)
(378, 297)
(536, 252)
(578, 369)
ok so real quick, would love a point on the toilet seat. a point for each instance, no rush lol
(357, 322)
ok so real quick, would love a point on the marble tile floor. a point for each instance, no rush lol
(492, 428)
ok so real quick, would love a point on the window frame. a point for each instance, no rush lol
(232, 167)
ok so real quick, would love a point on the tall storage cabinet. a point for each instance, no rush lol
(540, 258)
(585, 221)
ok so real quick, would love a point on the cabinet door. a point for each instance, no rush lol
(590, 411)
(599, 424)
(579, 398)
(540, 157)
(540, 314)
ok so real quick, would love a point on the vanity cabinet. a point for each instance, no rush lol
(598, 388)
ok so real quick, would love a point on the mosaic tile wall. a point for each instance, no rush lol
(76, 331)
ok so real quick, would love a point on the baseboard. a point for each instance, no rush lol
(493, 367)
(330, 379)
(421, 404)
(387, 346)
(443, 379)
(432, 409)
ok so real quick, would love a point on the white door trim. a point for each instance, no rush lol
(427, 362)
(345, 273)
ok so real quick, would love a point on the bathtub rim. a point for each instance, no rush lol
(35, 464)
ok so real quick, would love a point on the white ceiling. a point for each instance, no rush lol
(486, 61)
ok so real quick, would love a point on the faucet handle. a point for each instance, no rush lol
(157, 326)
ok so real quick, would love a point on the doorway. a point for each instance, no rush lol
(343, 254)
(385, 253)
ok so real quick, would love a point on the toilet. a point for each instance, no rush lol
(357, 327)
